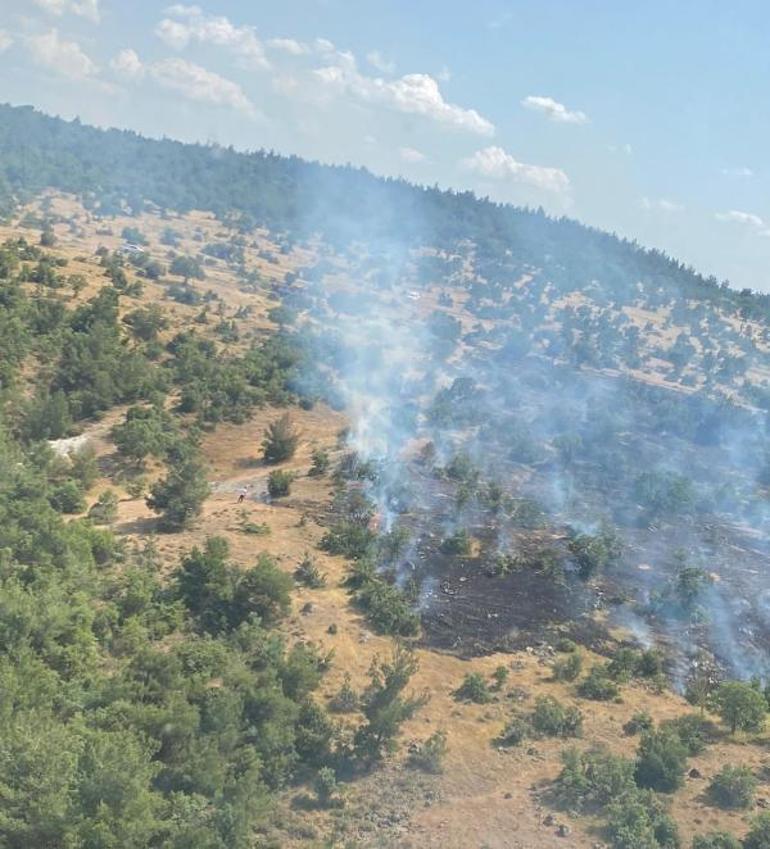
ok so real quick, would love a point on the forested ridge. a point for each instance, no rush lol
(119, 169)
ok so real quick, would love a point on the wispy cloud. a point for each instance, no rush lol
(380, 63)
(554, 110)
(188, 24)
(66, 58)
(84, 8)
(661, 205)
(416, 94)
(185, 78)
(6, 40)
(288, 45)
(738, 172)
(411, 155)
(493, 163)
(749, 220)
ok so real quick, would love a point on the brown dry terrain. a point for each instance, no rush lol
(486, 796)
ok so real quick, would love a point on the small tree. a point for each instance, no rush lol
(325, 786)
(733, 787)
(741, 706)
(280, 440)
(180, 495)
(384, 706)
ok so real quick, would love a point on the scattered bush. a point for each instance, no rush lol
(551, 719)
(639, 723)
(320, 462)
(694, 731)
(598, 685)
(458, 544)
(105, 510)
(638, 820)
(429, 755)
(593, 778)
(733, 787)
(308, 573)
(345, 700)
(514, 733)
(758, 836)
(568, 668)
(715, 840)
(474, 689)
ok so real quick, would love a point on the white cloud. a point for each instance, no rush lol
(190, 80)
(444, 75)
(416, 94)
(554, 110)
(193, 25)
(64, 57)
(84, 8)
(289, 45)
(6, 40)
(197, 83)
(738, 172)
(493, 163)
(380, 63)
(411, 155)
(745, 219)
(661, 205)
(128, 64)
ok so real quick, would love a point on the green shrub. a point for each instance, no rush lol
(693, 730)
(458, 544)
(279, 483)
(320, 462)
(733, 787)
(593, 778)
(660, 761)
(639, 722)
(501, 675)
(598, 685)
(568, 668)
(325, 786)
(429, 755)
(387, 607)
(474, 689)
(638, 820)
(308, 573)
(515, 732)
(67, 497)
(551, 719)
(345, 700)
(715, 840)
(758, 836)
(105, 510)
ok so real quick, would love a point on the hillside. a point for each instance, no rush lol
(532, 453)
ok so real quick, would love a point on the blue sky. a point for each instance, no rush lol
(650, 119)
